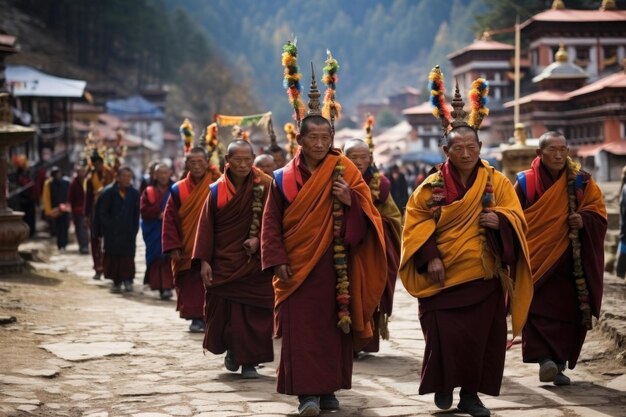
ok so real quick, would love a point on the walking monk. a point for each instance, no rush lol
(561, 201)
(463, 241)
(239, 296)
(180, 223)
(152, 206)
(304, 239)
(359, 152)
(99, 177)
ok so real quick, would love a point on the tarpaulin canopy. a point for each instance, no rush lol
(134, 107)
(25, 81)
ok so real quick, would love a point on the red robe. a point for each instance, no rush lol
(316, 356)
(392, 227)
(159, 270)
(238, 304)
(553, 329)
(180, 222)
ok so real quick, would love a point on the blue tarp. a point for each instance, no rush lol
(134, 107)
(427, 157)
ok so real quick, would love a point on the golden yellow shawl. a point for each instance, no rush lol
(459, 243)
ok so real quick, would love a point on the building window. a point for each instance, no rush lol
(582, 56)
(610, 56)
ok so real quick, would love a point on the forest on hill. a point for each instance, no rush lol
(224, 55)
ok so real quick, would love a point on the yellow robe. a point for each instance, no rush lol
(465, 257)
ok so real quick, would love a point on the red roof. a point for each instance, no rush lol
(482, 45)
(583, 16)
(547, 95)
(615, 148)
(617, 80)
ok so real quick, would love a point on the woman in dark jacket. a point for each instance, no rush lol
(117, 217)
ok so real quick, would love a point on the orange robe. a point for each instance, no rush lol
(553, 329)
(316, 356)
(464, 321)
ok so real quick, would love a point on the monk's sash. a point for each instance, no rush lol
(192, 198)
(459, 242)
(308, 233)
(223, 190)
(548, 231)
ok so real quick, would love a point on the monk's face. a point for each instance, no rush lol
(316, 143)
(196, 165)
(360, 155)
(279, 159)
(124, 178)
(267, 165)
(240, 161)
(554, 154)
(463, 150)
(162, 175)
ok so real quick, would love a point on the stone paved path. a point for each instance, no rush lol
(77, 350)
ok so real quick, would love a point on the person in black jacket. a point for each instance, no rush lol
(620, 270)
(117, 216)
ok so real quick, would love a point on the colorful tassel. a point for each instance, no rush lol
(331, 109)
(187, 135)
(437, 98)
(292, 78)
(478, 102)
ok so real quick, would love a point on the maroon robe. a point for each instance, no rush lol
(316, 356)
(239, 301)
(188, 282)
(159, 272)
(553, 329)
(392, 249)
(465, 325)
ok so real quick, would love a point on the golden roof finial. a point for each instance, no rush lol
(486, 36)
(608, 5)
(561, 54)
(558, 5)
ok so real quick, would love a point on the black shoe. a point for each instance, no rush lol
(471, 404)
(443, 400)
(116, 289)
(547, 370)
(97, 276)
(329, 402)
(166, 294)
(309, 406)
(196, 326)
(229, 362)
(249, 372)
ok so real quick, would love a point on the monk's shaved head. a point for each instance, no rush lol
(353, 144)
(239, 144)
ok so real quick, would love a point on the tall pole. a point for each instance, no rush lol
(517, 72)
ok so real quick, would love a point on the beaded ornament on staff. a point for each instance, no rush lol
(332, 108)
(582, 292)
(374, 184)
(187, 135)
(340, 257)
(292, 144)
(292, 79)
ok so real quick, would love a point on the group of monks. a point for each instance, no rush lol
(310, 254)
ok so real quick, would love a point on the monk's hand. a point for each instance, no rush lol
(575, 221)
(175, 255)
(436, 272)
(206, 273)
(283, 272)
(341, 190)
(489, 219)
(251, 245)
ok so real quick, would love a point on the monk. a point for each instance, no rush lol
(117, 215)
(297, 244)
(560, 315)
(358, 152)
(152, 206)
(462, 243)
(239, 295)
(266, 164)
(180, 222)
(98, 177)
